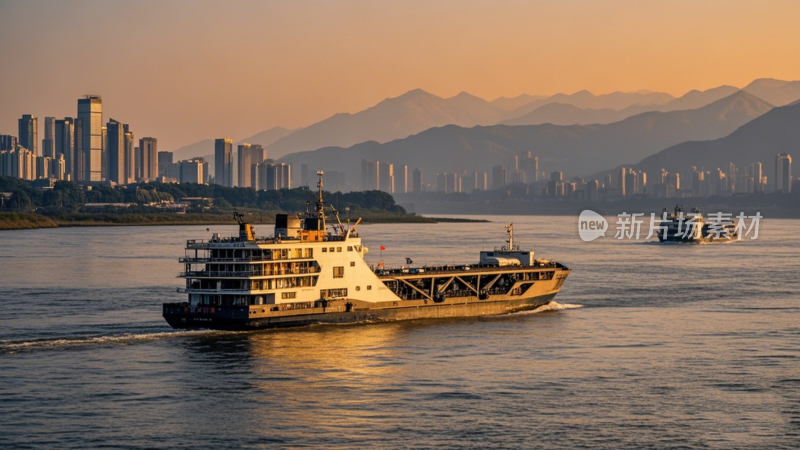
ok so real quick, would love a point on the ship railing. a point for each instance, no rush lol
(209, 259)
(449, 269)
(255, 273)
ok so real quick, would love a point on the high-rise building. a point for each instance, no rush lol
(48, 143)
(192, 171)
(245, 160)
(115, 149)
(64, 143)
(78, 156)
(130, 155)
(43, 167)
(258, 153)
(498, 177)
(783, 173)
(441, 182)
(8, 142)
(482, 181)
(731, 174)
(149, 166)
(104, 153)
(18, 163)
(607, 181)
(387, 178)
(631, 182)
(29, 133)
(674, 179)
(58, 168)
(90, 113)
(272, 177)
(416, 181)
(623, 173)
(164, 162)
(223, 162)
(452, 183)
(370, 175)
(401, 179)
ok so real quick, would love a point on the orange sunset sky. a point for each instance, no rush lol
(183, 71)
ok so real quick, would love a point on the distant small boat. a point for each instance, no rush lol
(692, 228)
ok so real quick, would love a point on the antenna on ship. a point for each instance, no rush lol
(510, 230)
(319, 198)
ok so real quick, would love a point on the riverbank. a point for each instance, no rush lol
(26, 221)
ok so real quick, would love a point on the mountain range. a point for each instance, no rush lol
(573, 149)
(571, 114)
(757, 141)
(393, 118)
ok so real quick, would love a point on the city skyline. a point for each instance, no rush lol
(444, 48)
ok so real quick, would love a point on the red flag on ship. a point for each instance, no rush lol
(383, 248)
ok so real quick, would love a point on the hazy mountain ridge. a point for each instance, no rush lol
(511, 103)
(390, 119)
(586, 100)
(759, 140)
(568, 114)
(777, 92)
(575, 149)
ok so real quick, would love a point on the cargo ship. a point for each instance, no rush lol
(308, 273)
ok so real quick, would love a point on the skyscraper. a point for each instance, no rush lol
(8, 142)
(401, 179)
(416, 181)
(164, 162)
(623, 172)
(29, 133)
(115, 149)
(387, 178)
(78, 156)
(783, 173)
(370, 175)
(90, 113)
(64, 143)
(245, 160)
(104, 153)
(48, 143)
(130, 155)
(498, 177)
(223, 162)
(149, 165)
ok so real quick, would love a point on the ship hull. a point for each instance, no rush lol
(182, 317)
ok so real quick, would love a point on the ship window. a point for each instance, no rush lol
(324, 249)
(338, 249)
(358, 288)
(352, 263)
(331, 249)
(332, 293)
(369, 288)
(338, 272)
(288, 295)
(358, 248)
(349, 248)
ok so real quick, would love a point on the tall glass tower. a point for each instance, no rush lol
(90, 113)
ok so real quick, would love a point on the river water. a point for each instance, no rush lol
(650, 346)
